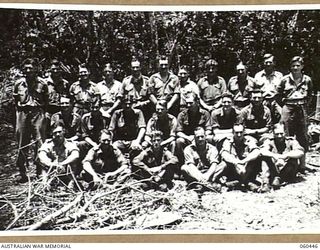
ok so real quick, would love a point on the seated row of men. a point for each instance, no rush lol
(238, 163)
(131, 135)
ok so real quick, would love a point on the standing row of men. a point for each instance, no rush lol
(178, 112)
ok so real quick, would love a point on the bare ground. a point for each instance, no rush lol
(292, 208)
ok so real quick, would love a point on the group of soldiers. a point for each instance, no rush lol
(249, 133)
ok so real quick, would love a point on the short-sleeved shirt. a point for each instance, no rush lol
(268, 82)
(35, 95)
(240, 151)
(109, 92)
(211, 92)
(58, 153)
(291, 91)
(188, 125)
(168, 129)
(241, 94)
(202, 159)
(164, 90)
(224, 120)
(252, 119)
(57, 89)
(288, 145)
(155, 159)
(84, 96)
(72, 126)
(123, 130)
(90, 129)
(105, 162)
(136, 87)
(190, 87)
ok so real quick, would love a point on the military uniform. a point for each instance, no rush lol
(109, 93)
(211, 92)
(294, 111)
(289, 170)
(72, 123)
(126, 131)
(83, 98)
(56, 91)
(255, 119)
(165, 89)
(187, 89)
(59, 153)
(105, 163)
(31, 103)
(240, 152)
(150, 158)
(187, 126)
(241, 90)
(168, 129)
(138, 88)
(268, 82)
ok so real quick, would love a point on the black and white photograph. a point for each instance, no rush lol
(192, 119)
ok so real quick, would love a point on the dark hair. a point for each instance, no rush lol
(33, 61)
(185, 67)
(227, 94)
(198, 129)
(211, 63)
(297, 59)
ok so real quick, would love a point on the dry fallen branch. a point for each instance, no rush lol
(56, 214)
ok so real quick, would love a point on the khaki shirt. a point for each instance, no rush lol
(201, 159)
(210, 93)
(58, 153)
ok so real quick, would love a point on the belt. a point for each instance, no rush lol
(29, 108)
(295, 102)
(82, 106)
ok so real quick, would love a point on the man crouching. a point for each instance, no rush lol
(281, 154)
(105, 161)
(156, 164)
(201, 162)
(60, 155)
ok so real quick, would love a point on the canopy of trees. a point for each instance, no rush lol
(97, 37)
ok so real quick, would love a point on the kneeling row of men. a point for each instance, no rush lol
(238, 161)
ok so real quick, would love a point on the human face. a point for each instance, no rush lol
(29, 70)
(241, 70)
(226, 103)
(190, 102)
(58, 134)
(156, 142)
(108, 73)
(183, 75)
(83, 73)
(105, 139)
(212, 71)
(164, 65)
(160, 109)
(256, 99)
(238, 133)
(279, 134)
(268, 63)
(135, 69)
(55, 70)
(296, 67)
(65, 104)
(200, 137)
